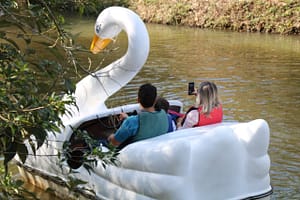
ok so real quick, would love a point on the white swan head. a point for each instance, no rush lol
(106, 28)
(92, 91)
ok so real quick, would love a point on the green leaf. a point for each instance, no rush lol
(10, 152)
(74, 182)
(69, 85)
(32, 146)
(22, 152)
(19, 183)
(40, 134)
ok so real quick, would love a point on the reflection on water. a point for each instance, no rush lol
(258, 76)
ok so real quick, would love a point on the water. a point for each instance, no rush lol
(258, 76)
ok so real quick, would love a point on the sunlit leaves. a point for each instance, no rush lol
(31, 87)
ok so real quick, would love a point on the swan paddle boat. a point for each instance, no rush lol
(222, 161)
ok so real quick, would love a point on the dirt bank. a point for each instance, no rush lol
(267, 16)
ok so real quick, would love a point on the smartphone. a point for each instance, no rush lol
(191, 88)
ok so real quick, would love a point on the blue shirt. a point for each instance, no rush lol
(172, 126)
(128, 128)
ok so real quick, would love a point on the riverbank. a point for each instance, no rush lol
(265, 16)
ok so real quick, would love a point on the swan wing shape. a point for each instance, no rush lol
(223, 161)
(92, 91)
(215, 162)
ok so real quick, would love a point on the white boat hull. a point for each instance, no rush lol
(222, 161)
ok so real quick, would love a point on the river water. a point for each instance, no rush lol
(258, 76)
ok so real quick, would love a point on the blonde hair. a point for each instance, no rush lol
(207, 97)
(217, 101)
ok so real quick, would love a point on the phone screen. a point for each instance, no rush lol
(191, 88)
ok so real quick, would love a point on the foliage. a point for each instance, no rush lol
(84, 7)
(85, 150)
(9, 187)
(28, 106)
(34, 91)
(271, 16)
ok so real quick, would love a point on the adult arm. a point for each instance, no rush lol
(113, 141)
(128, 128)
(191, 119)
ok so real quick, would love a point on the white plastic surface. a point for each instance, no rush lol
(223, 161)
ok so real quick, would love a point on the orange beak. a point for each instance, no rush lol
(98, 44)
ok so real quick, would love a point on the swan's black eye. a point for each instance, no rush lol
(98, 27)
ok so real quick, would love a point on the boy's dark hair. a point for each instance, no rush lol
(147, 95)
(162, 103)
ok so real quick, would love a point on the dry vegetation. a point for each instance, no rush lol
(271, 16)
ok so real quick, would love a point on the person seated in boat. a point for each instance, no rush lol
(147, 124)
(208, 108)
(162, 103)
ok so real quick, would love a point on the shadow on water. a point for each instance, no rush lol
(258, 76)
